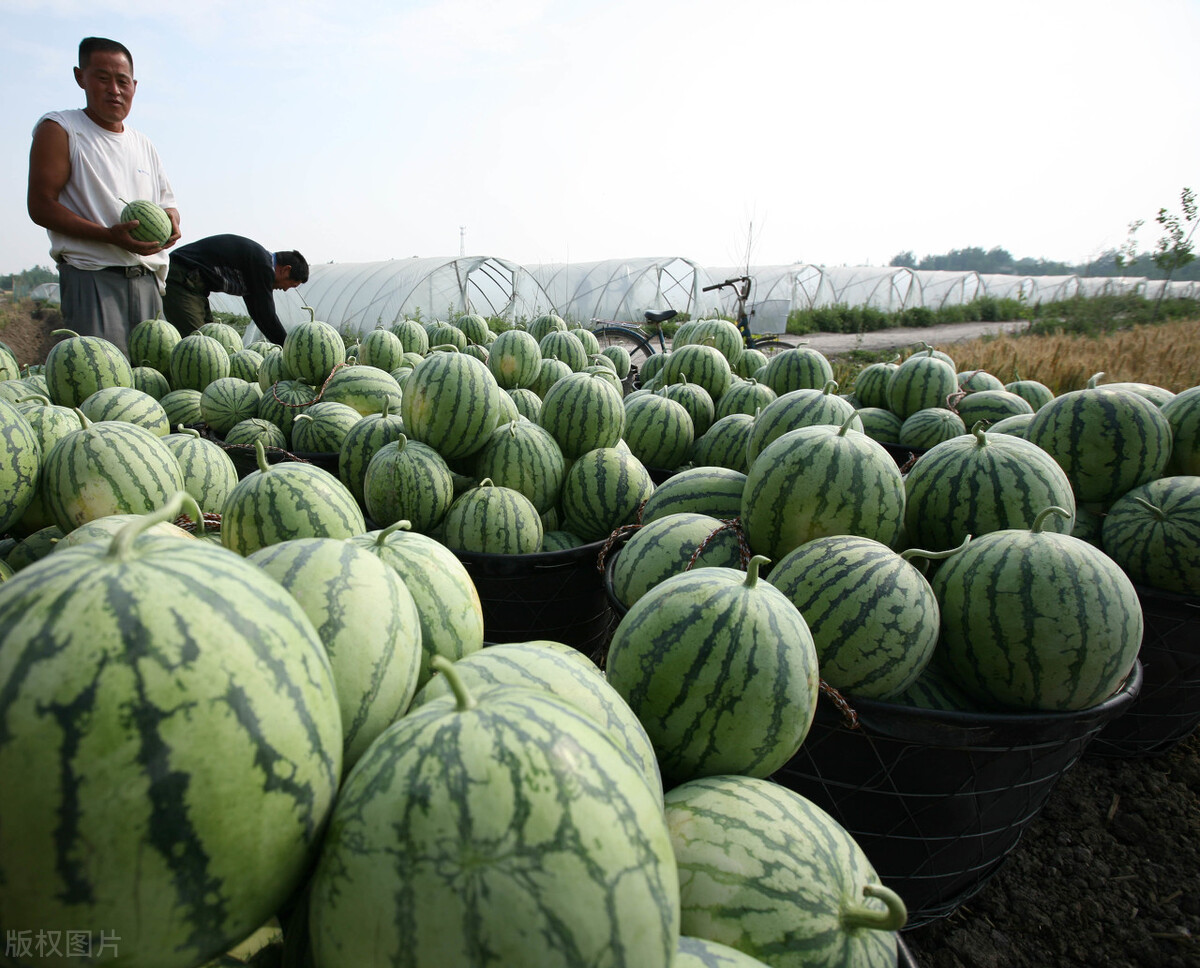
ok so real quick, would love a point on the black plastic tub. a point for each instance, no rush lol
(1167, 710)
(937, 800)
(557, 595)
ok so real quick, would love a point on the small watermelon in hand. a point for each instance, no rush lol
(154, 224)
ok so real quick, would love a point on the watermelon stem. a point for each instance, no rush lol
(892, 918)
(260, 456)
(1154, 509)
(401, 525)
(934, 555)
(122, 542)
(462, 695)
(1042, 515)
(752, 570)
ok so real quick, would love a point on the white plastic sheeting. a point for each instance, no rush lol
(1055, 288)
(1001, 286)
(887, 288)
(946, 287)
(1109, 285)
(357, 297)
(625, 289)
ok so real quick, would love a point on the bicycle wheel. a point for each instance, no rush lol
(770, 345)
(636, 345)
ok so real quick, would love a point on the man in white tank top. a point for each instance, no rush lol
(84, 166)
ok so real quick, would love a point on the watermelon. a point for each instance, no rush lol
(658, 430)
(800, 408)
(880, 425)
(1153, 533)
(1032, 392)
(620, 358)
(9, 370)
(701, 364)
(287, 500)
(151, 381)
(245, 432)
(282, 401)
(534, 842)
(1069, 630)
(706, 489)
(207, 472)
(750, 363)
(367, 389)
(244, 364)
(412, 336)
(1016, 425)
(447, 601)
(366, 619)
(818, 481)
(322, 427)
(525, 457)
(920, 382)
(108, 468)
(515, 359)
(452, 403)
(721, 670)
(669, 545)
(191, 743)
(700, 953)
(224, 334)
(20, 465)
(182, 407)
(227, 401)
(747, 396)
(407, 480)
(446, 336)
(1183, 414)
(991, 405)
(546, 323)
(1107, 440)
(726, 443)
(583, 412)
(976, 381)
(381, 348)
(696, 401)
(929, 427)
(271, 369)
(979, 483)
(362, 442)
(1159, 396)
(766, 871)
(871, 384)
(798, 368)
(196, 361)
(489, 519)
(108, 527)
(129, 405)
(570, 675)
(722, 334)
(549, 373)
(602, 491)
(873, 617)
(78, 366)
(311, 351)
(154, 224)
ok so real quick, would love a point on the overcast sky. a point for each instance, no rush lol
(830, 132)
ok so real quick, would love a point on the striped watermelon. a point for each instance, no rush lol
(583, 412)
(930, 426)
(190, 744)
(271, 369)
(322, 427)
(798, 368)
(525, 457)
(768, 872)
(1015, 425)
(515, 359)
(49, 424)
(696, 401)
(871, 384)
(879, 424)
(447, 600)
(818, 481)
(108, 468)
(245, 432)
(620, 358)
(546, 323)
(78, 366)
(207, 472)
(287, 500)
(227, 401)
(990, 405)
(224, 334)
(920, 382)
(244, 364)
(721, 334)
(726, 443)
(196, 361)
(564, 346)
(1032, 392)
(750, 363)
(935, 690)
(1159, 396)
(381, 348)
(650, 367)
(128, 405)
(721, 670)
(701, 953)
(796, 409)
(410, 481)
(1069, 630)
(1183, 414)
(452, 403)
(20, 465)
(154, 224)
(1153, 533)
(9, 370)
(34, 547)
(976, 381)
(979, 483)
(528, 404)
(366, 619)
(311, 350)
(151, 381)
(568, 674)
(489, 519)
(443, 334)
(550, 372)
(361, 443)
(602, 491)
(658, 430)
(701, 364)
(1108, 441)
(412, 336)
(182, 407)
(744, 396)
(282, 401)
(365, 388)
(670, 545)
(108, 527)
(476, 328)
(873, 617)
(573, 865)
(706, 489)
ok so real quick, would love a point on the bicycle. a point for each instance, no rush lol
(640, 346)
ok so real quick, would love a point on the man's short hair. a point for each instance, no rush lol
(295, 262)
(95, 45)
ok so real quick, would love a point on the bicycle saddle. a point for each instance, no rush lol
(662, 316)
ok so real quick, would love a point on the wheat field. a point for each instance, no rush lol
(1166, 355)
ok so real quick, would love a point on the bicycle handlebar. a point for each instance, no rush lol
(727, 282)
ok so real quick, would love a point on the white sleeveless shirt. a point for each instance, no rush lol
(107, 166)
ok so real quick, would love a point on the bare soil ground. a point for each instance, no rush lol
(27, 332)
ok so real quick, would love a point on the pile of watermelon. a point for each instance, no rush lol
(285, 711)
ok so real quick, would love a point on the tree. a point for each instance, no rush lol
(905, 258)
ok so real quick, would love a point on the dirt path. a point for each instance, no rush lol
(884, 339)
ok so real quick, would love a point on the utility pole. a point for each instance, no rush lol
(462, 240)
